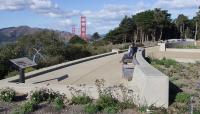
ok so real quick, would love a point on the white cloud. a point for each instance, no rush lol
(12, 5)
(45, 7)
(103, 20)
(177, 4)
(65, 22)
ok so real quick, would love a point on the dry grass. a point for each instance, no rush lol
(185, 76)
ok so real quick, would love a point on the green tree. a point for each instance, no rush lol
(182, 24)
(127, 27)
(162, 20)
(145, 24)
(196, 21)
(77, 40)
(96, 36)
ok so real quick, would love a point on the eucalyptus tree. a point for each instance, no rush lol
(181, 23)
(197, 23)
(162, 20)
(128, 28)
(145, 22)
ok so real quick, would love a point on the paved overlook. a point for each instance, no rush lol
(107, 68)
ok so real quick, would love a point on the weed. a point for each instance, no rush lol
(111, 110)
(59, 104)
(91, 108)
(26, 108)
(7, 94)
(106, 101)
(182, 97)
(81, 99)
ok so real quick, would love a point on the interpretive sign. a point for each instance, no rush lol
(22, 63)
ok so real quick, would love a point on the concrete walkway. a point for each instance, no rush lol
(108, 68)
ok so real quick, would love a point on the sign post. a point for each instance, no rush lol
(21, 64)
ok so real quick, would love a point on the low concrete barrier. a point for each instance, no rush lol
(151, 85)
(183, 50)
(58, 66)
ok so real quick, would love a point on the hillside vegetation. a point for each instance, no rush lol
(53, 50)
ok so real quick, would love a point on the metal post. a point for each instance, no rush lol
(21, 76)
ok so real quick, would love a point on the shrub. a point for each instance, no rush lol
(165, 62)
(182, 97)
(26, 108)
(39, 96)
(7, 94)
(91, 108)
(43, 95)
(106, 101)
(125, 105)
(59, 104)
(81, 99)
(111, 110)
(29, 69)
(196, 111)
(143, 108)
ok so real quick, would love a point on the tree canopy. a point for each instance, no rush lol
(154, 25)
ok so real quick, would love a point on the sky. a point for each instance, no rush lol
(102, 15)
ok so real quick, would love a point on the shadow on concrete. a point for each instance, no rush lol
(66, 65)
(3, 109)
(173, 91)
(21, 97)
(58, 79)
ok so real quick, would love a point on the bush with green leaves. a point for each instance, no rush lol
(111, 109)
(165, 62)
(143, 109)
(125, 105)
(41, 95)
(26, 108)
(105, 101)
(7, 94)
(91, 108)
(58, 103)
(81, 99)
(182, 97)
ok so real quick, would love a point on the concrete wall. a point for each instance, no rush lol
(151, 85)
(183, 50)
(59, 66)
(172, 43)
(148, 86)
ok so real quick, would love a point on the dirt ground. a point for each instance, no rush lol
(45, 108)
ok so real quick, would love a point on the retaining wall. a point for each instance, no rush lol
(151, 85)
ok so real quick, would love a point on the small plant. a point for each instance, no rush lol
(41, 95)
(91, 108)
(196, 111)
(125, 105)
(111, 110)
(165, 62)
(182, 97)
(29, 69)
(81, 99)
(106, 101)
(7, 94)
(26, 108)
(143, 109)
(59, 104)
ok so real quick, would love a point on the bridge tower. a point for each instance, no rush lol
(83, 32)
(73, 29)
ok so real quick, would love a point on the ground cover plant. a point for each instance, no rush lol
(185, 77)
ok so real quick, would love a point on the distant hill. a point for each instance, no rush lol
(11, 34)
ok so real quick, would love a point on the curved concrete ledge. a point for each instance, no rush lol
(59, 66)
(151, 85)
